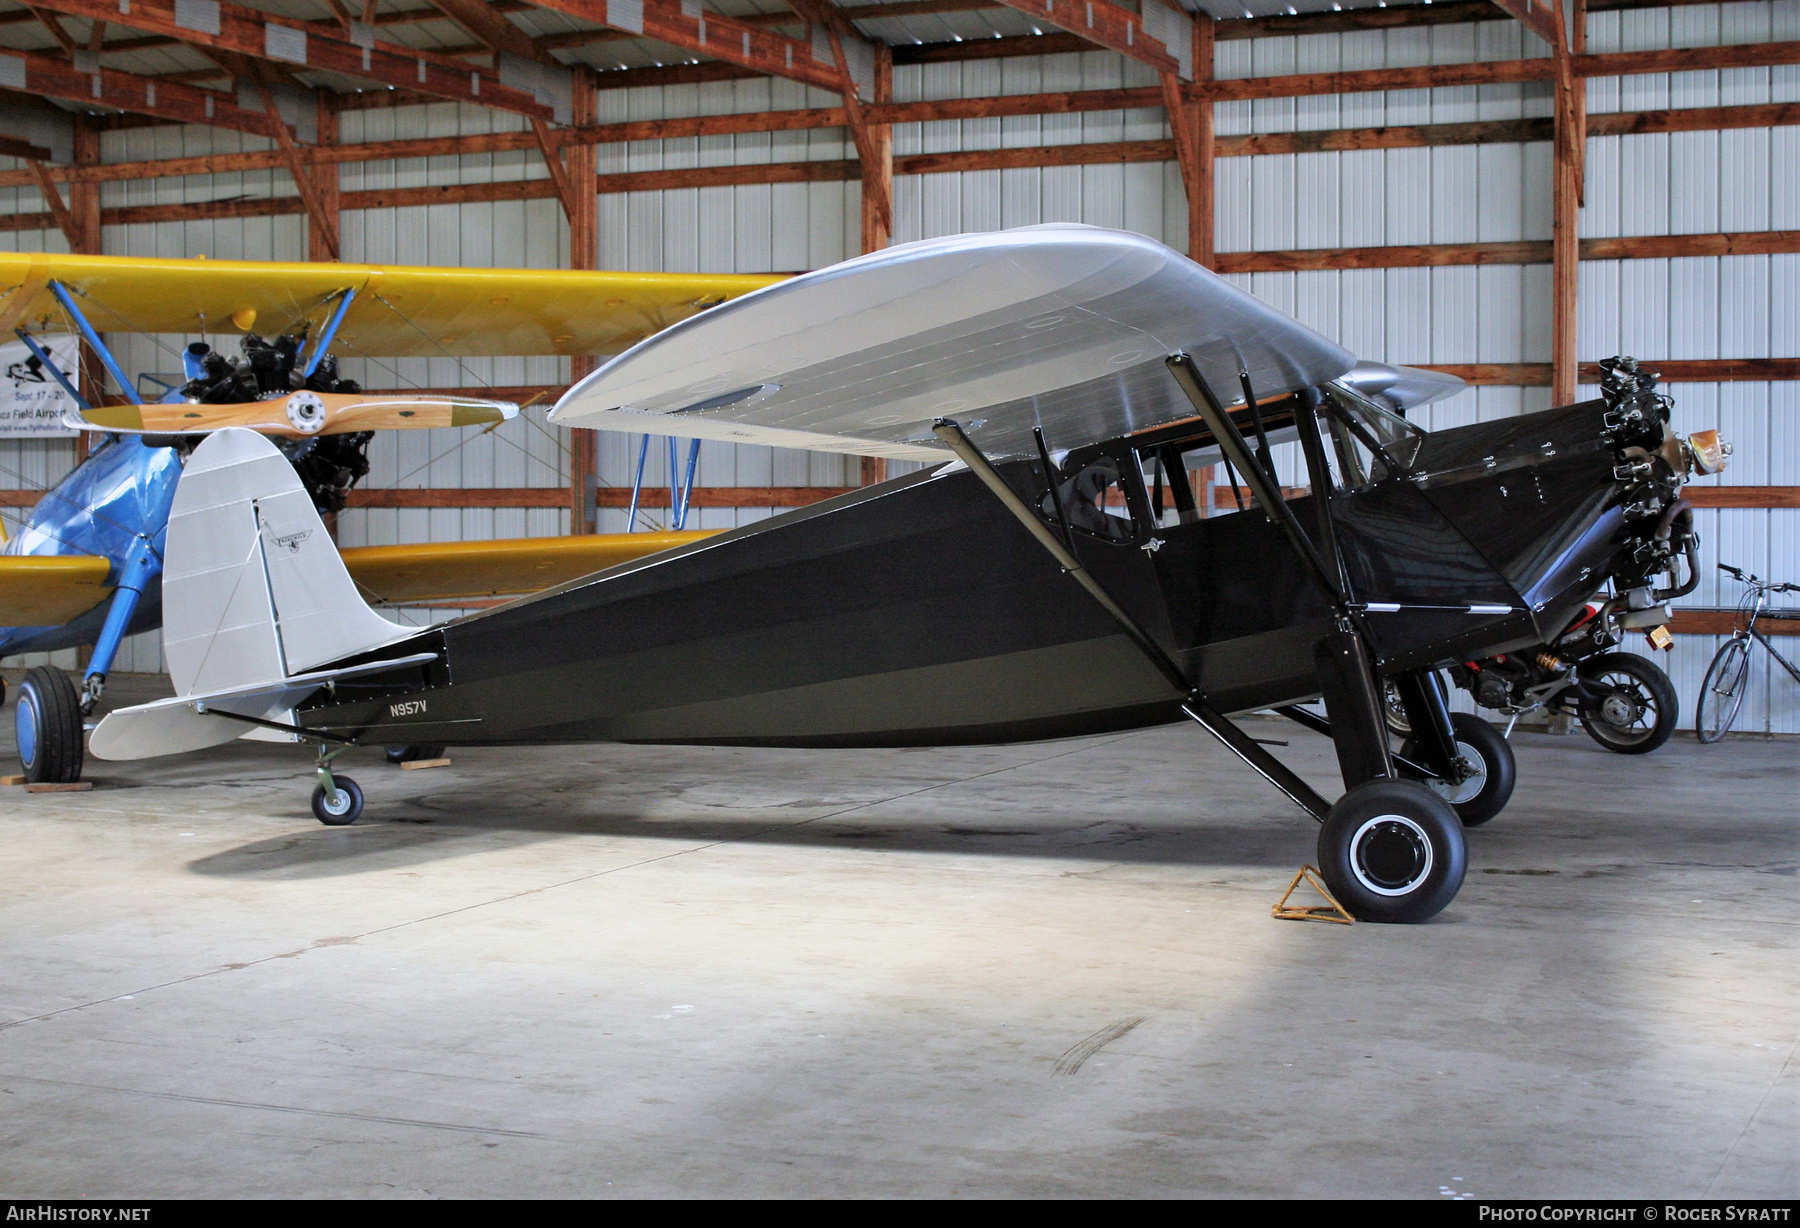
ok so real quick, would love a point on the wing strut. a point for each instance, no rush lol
(1346, 664)
(1194, 704)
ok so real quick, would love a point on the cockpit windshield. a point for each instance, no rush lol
(1395, 440)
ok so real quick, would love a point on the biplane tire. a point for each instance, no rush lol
(48, 723)
(1485, 794)
(1392, 850)
(413, 754)
(343, 809)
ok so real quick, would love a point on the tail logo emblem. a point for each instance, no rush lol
(293, 541)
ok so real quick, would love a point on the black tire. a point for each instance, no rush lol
(1722, 690)
(1485, 794)
(1392, 850)
(414, 754)
(346, 811)
(1642, 711)
(48, 721)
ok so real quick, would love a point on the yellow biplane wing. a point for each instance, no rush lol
(446, 572)
(397, 311)
(50, 590)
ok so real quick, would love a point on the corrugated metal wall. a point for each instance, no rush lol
(1739, 306)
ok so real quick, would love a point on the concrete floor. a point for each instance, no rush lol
(649, 972)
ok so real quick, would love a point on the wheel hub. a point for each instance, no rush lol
(1473, 772)
(1391, 855)
(1619, 710)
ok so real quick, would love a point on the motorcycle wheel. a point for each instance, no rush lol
(1640, 710)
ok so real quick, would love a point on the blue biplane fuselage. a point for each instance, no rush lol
(115, 505)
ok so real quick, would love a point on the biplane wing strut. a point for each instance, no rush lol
(1194, 704)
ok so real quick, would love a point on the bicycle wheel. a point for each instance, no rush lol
(1722, 690)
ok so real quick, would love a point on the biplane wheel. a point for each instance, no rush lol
(48, 723)
(340, 809)
(414, 754)
(1485, 793)
(1392, 850)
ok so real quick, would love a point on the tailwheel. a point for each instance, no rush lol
(339, 806)
(1392, 850)
(1487, 758)
(48, 723)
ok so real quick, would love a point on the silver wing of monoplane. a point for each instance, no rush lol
(1059, 326)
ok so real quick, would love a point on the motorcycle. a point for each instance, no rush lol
(1625, 702)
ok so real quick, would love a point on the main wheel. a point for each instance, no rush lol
(1484, 792)
(1392, 850)
(1640, 709)
(48, 722)
(413, 754)
(1722, 690)
(338, 809)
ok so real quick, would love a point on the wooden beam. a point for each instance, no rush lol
(14, 147)
(874, 143)
(65, 220)
(1674, 371)
(289, 41)
(323, 221)
(1535, 15)
(48, 77)
(1644, 247)
(1202, 222)
(566, 189)
(1311, 141)
(322, 242)
(53, 27)
(692, 29)
(1566, 192)
(584, 253)
(876, 165)
(1726, 622)
(1742, 496)
(487, 26)
(605, 496)
(1115, 28)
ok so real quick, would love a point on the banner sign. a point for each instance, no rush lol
(32, 403)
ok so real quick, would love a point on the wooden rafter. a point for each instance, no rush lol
(324, 221)
(315, 45)
(65, 220)
(1694, 119)
(566, 190)
(487, 26)
(1108, 25)
(50, 77)
(874, 141)
(692, 29)
(53, 27)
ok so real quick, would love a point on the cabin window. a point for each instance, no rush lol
(1096, 501)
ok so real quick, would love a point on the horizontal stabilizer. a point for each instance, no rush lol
(194, 722)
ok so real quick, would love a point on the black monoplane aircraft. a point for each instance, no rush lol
(1058, 569)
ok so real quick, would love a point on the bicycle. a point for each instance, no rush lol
(1722, 690)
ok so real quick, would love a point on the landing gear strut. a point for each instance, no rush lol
(337, 801)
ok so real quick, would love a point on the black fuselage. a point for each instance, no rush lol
(921, 612)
